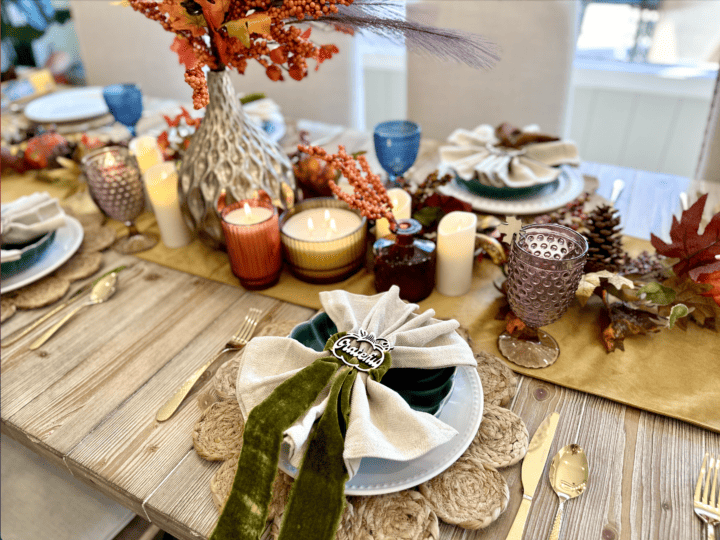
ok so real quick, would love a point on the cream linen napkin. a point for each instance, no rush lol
(471, 153)
(27, 218)
(381, 423)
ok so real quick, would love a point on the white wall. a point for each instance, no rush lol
(118, 44)
(649, 121)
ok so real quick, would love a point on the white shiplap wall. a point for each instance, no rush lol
(648, 121)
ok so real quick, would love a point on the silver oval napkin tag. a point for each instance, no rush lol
(349, 348)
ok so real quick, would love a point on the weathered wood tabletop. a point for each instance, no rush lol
(87, 401)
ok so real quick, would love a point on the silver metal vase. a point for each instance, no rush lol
(231, 152)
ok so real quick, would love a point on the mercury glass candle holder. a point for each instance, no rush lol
(114, 183)
(544, 269)
(253, 242)
(321, 259)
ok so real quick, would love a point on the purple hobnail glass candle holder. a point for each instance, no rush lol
(544, 268)
(115, 184)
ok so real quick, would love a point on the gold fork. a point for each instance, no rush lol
(707, 501)
(235, 343)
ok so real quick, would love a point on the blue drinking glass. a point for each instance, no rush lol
(396, 145)
(125, 104)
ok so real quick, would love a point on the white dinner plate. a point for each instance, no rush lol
(68, 106)
(463, 411)
(67, 241)
(570, 185)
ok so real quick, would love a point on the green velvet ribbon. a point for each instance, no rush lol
(317, 499)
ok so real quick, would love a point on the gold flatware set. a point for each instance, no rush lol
(568, 475)
(235, 343)
(706, 501)
(97, 291)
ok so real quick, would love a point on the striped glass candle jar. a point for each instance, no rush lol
(323, 240)
(252, 235)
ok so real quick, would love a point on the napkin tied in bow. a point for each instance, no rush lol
(285, 388)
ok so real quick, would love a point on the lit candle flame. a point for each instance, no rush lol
(310, 224)
(395, 202)
(246, 207)
(333, 225)
(327, 216)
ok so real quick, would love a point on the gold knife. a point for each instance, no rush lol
(75, 296)
(532, 469)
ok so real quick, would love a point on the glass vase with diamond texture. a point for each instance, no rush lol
(228, 151)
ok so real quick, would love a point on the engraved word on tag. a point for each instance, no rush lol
(349, 344)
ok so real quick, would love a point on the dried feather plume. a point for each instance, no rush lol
(386, 18)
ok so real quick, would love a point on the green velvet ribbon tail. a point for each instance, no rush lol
(317, 499)
(246, 509)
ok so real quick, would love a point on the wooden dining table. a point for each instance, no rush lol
(87, 400)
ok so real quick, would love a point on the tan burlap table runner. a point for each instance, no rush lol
(664, 373)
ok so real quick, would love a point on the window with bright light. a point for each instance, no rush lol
(670, 32)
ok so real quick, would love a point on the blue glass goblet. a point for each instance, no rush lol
(396, 145)
(125, 104)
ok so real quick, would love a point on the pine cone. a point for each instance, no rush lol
(605, 251)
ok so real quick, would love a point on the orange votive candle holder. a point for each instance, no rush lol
(252, 235)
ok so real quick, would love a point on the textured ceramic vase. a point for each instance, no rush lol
(231, 152)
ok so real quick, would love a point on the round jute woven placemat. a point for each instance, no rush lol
(470, 494)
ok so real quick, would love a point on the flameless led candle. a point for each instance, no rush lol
(323, 241)
(146, 152)
(401, 204)
(252, 235)
(455, 253)
(161, 184)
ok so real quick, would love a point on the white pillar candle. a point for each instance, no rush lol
(248, 215)
(321, 224)
(455, 253)
(401, 205)
(161, 183)
(146, 151)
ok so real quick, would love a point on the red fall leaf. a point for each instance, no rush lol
(185, 52)
(694, 250)
(711, 278)
(214, 11)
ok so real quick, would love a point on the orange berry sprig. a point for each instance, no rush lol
(285, 48)
(369, 195)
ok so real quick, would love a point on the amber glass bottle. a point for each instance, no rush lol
(405, 261)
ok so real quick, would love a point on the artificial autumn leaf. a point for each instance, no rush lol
(590, 282)
(711, 278)
(257, 23)
(180, 19)
(677, 311)
(214, 11)
(306, 34)
(513, 323)
(704, 311)
(658, 294)
(693, 250)
(185, 52)
(626, 321)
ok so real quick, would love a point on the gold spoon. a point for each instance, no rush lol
(568, 477)
(101, 291)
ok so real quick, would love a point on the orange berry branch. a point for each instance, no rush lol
(219, 33)
(369, 194)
